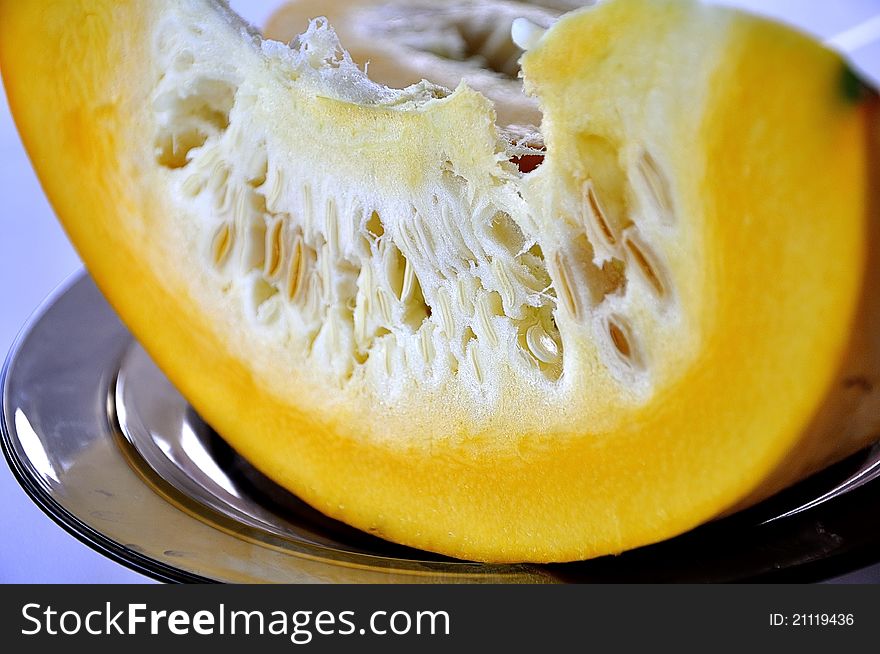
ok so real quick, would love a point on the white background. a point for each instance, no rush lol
(35, 256)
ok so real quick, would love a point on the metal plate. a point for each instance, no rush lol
(105, 445)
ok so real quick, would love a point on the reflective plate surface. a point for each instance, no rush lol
(105, 445)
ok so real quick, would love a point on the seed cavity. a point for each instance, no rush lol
(272, 188)
(488, 307)
(187, 121)
(623, 341)
(410, 282)
(384, 306)
(469, 336)
(274, 249)
(645, 261)
(193, 185)
(221, 245)
(506, 233)
(395, 268)
(416, 309)
(596, 222)
(374, 226)
(542, 345)
(476, 365)
(600, 245)
(258, 167)
(657, 185)
(565, 287)
(444, 313)
(426, 344)
(297, 269)
(331, 226)
(262, 305)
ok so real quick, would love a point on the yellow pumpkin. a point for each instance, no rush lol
(673, 316)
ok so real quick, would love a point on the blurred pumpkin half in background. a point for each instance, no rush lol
(498, 326)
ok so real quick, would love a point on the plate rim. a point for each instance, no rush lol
(92, 538)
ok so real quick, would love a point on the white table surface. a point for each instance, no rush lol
(35, 257)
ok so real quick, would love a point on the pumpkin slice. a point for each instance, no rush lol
(674, 315)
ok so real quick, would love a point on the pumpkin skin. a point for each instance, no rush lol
(716, 318)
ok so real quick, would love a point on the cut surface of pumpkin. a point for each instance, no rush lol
(674, 315)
